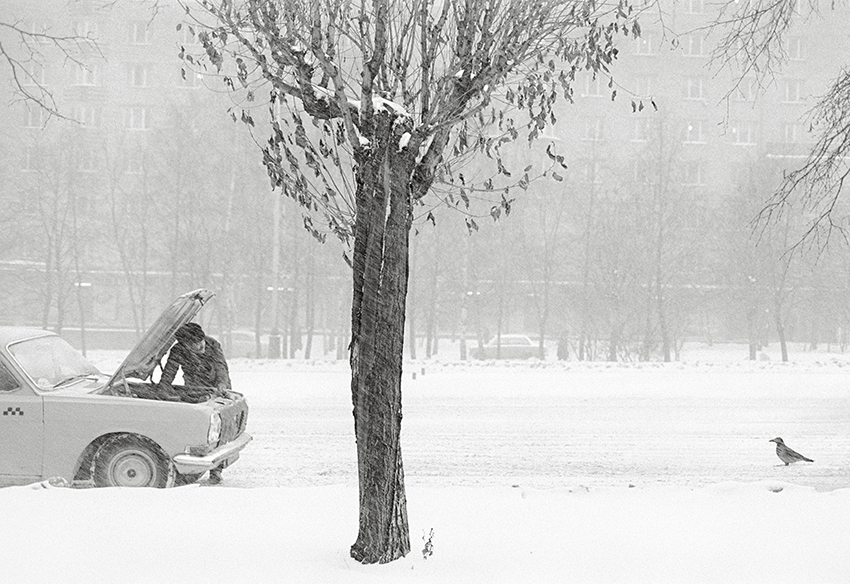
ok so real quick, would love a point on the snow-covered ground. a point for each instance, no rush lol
(525, 472)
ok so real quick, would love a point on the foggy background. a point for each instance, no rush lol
(646, 240)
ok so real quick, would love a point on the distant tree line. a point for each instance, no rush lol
(613, 266)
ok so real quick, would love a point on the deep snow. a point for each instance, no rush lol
(526, 472)
(725, 533)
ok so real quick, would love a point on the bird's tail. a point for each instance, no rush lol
(808, 459)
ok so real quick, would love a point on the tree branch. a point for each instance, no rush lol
(27, 83)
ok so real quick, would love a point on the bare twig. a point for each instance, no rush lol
(26, 61)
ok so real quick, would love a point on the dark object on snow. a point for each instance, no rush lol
(215, 477)
(203, 364)
(201, 359)
(787, 455)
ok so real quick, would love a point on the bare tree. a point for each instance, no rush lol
(389, 90)
(764, 275)
(24, 51)
(670, 206)
(753, 43)
(548, 205)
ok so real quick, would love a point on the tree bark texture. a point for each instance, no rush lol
(380, 275)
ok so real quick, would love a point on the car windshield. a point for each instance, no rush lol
(51, 362)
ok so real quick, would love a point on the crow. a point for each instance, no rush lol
(787, 455)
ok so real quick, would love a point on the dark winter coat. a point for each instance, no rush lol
(207, 369)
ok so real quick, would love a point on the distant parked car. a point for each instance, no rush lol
(61, 417)
(243, 343)
(509, 347)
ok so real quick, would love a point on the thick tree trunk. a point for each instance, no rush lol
(380, 274)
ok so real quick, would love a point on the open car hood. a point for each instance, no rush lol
(148, 352)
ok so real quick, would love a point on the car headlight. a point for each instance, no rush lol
(215, 427)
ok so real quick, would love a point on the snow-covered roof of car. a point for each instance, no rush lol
(512, 340)
(10, 334)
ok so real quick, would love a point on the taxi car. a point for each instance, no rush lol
(61, 417)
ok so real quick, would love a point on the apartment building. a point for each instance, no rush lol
(148, 135)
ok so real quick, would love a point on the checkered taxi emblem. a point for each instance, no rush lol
(10, 411)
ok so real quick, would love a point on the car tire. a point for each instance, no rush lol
(131, 461)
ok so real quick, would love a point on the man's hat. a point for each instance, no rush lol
(191, 332)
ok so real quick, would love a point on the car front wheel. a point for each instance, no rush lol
(131, 461)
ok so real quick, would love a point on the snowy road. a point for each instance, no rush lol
(579, 424)
(470, 433)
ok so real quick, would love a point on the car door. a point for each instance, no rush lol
(21, 427)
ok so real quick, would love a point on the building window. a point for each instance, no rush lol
(34, 116)
(793, 133)
(30, 160)
(87, 116)
(693, 173)
(589, 172)
(693, 88)
(592, 130)
(86, 74)
(794, 48)
(138, 74)
(694, 7)
(745, 91)
(640, 173)
(33, 74)
(136, 118)
(693, 45)
(693, 132)
(593, 86)
(86, 29)
(644, 86)
(40, 32)
(640, 129)
(743, 133)
(644, 45)
(792, 91)
(188, 35)
(140, 34)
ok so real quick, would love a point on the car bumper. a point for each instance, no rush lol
(225, 454)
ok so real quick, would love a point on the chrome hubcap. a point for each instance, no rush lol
(133, 469)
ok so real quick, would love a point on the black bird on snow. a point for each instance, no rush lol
(787, 455)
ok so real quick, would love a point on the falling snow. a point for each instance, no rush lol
(525, 472)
